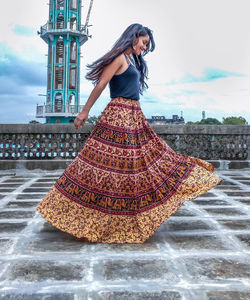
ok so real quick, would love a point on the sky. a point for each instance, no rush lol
(201, 61)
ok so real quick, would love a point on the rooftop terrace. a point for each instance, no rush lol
(201, 252)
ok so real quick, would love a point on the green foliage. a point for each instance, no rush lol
(210, 121)
(193, 123)
(226, 121)
(234, 121)
(207, 121)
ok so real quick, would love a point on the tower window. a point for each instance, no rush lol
(73, 50)
(60, 51)
(72, 103)
(49, 78)
(59, 72)
(58, 102)
(72, 99)
(72, 77)
(73, 22)
(60, 21)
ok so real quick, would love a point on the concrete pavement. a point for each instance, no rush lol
(201, 252)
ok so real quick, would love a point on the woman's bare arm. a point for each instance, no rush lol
(106, 76)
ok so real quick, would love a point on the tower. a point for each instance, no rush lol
(203, 115)
(64, 35)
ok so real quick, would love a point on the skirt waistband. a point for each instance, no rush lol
(127, 101)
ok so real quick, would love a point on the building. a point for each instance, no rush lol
(64, 35)
(161, 120)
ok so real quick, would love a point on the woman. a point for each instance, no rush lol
(126, 181)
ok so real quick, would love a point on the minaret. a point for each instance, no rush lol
(203, 115)
(64, 35)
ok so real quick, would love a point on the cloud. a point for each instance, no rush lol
(23, 30)
(20, 83)
(177, 94)
(181, 76)
(209, 74)
(19, 108)
(16, 73)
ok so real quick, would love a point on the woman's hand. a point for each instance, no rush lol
(80, 119)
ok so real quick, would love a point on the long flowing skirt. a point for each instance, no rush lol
(125, 182)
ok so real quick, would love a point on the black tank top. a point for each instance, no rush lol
(126, 84)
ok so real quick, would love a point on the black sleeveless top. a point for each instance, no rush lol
(127, 84)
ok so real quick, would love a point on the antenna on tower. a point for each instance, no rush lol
(88, 15)
(203, 115)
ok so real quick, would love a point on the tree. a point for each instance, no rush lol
(207, 121)
(193, 123)
(234, 121)
(210, 121)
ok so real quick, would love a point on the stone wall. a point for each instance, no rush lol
(63, 141)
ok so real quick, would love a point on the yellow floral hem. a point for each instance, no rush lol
(99, 227)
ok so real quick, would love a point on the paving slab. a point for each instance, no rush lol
(16, 214)
(42, 296)
(21, 204)
(40, 270)
(217, 269)
(137, 269)
(225, 211)
(30, 196)
(228, 295)
(235, 224)
(55, 244)
(150, 295)
(184, 225)
(201, 252)
(197, 242)
(12, 227)
(211, 202)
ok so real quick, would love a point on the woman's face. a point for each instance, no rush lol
(141, 44)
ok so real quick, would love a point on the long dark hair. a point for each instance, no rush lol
(125, 41)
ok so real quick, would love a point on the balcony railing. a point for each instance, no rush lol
(48, 27)
(43, 111)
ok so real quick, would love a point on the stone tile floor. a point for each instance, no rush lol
(201, 252)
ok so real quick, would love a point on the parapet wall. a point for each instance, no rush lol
(63, 141)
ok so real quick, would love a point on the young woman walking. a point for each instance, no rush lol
(126, 181)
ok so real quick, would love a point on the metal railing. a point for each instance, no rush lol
(49, 110)
(49, 27)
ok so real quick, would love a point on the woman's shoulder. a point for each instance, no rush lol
(120, 57)
(119, 60)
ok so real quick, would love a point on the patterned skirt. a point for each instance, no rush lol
(125, 182)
